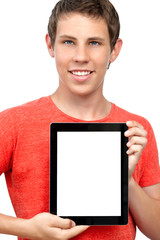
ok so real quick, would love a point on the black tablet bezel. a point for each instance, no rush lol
(90, 220)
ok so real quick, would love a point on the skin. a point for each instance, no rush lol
(87, 48)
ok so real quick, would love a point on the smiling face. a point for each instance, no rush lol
(82, 53)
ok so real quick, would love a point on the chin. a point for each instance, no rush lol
(83, 93)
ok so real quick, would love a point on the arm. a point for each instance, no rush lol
(145, 209)
(42, 226)
(144, 203)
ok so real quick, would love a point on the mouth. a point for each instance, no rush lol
(81, 72)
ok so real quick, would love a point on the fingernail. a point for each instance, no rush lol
(126, 133)
(127, 152)
(73, 224)
(128, 144)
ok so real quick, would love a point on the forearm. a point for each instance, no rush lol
(145, 211)
(13, 226)
(41, 226)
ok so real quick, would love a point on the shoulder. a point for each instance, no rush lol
(26, 108)
(26, 115)
(122, 115)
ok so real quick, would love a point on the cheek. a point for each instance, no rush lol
(61, 63)
(102, 61)
(62, 58)
(104, 66)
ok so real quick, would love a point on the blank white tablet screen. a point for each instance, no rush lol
(89, 173)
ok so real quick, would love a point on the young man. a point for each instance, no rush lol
(83, 39)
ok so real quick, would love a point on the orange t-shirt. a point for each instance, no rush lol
(24, 158)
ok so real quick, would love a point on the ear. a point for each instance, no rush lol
(116, 50)
(49, 45)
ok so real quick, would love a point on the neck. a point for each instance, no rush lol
(88, 108)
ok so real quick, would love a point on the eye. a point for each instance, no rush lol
(95, 43)
(68, 42)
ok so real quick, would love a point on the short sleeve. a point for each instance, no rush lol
(151, 168)
(7, 140)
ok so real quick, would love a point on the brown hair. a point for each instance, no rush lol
(94, 8)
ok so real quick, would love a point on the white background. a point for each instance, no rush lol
(27, 72)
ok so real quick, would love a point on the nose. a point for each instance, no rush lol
(81, 54)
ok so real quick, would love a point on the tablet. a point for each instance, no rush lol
(89, 173)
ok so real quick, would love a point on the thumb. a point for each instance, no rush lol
(62, 223)
(75, 231)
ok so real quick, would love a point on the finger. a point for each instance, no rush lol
(62, 223)
(136, 131)
(137, 140)
(134, 149)
(67, 234)
(134, 124)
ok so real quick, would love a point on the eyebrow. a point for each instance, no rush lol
(89, 39)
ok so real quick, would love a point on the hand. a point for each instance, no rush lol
(46, 226)
(137, 142)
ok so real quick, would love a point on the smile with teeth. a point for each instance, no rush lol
(81, 73)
